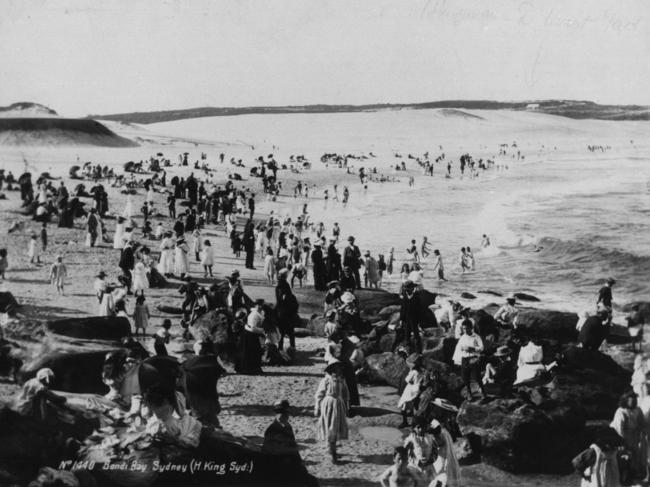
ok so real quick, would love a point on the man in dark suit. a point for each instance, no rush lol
(352, 259)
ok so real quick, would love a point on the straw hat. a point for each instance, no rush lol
(503, 351)
(334, 366)
(45, 374)
(281, 406)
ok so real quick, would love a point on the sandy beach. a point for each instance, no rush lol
(384, 216)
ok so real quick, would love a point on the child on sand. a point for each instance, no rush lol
(141, 315)
(207, 258)
(161, 338)
(332, 399)
(58, 273)
(32, 252)
(400, 474)
(409, 400)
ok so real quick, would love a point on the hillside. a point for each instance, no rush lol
(565, 108)
(25, 109)
(58, 132)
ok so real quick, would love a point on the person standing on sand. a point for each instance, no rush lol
(424, 248)
(287, 308)
(331, 406)
(92, 223)
(319, 270)
(279, 439)
(439, 265)
(58, 273)
(446, 465)
(352, 259)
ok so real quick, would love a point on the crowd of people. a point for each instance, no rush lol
(256, 332)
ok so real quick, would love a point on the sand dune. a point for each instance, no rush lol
(58, 132)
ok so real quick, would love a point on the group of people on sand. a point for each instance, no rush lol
(218, 319)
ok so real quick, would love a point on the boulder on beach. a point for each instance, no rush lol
(92, 328)
(172, 310)
(8, 303)
(372, 301)
(488, 291)
(74, 370)
(548, 325)
(521, 438)
(466, 295)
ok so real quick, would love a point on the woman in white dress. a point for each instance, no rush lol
(196, 244)
(181, 261)
(150, 195)
(128, 209)
(118, 237)
(166, 266)
(140, 280)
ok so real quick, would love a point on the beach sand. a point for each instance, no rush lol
(246, 400)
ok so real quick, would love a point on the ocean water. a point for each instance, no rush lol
(561, 221)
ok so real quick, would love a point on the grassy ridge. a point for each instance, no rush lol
(565, 108)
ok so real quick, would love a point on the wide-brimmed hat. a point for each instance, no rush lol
(415, 359)
(259, 302)
(503, 351)
(347, 297)
(409, 285)
(332, 284)
(350, 238)
(282, 406)
(511, 300)
(45, 374)
(611, 280)
(334, 366)
(367, 253)
(101, 274)
(317, 244)
(354, 339)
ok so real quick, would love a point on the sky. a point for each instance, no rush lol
(89, 57)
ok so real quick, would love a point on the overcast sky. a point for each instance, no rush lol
(82, 57)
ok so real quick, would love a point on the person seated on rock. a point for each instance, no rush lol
(165, 425)
(467, 356)
(507, 314)
(415, 384)
(279, 439)
(333, 297)
(446, 315)
(401, 474)
(529, 363)
(349, 315)
(421, 448)
(36, 399)
(446, 464)
(594, 330)
(598, 465)
(200, 305)
(499, 373)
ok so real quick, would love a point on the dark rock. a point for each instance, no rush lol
(589, 378)
(172, 310)
(493, 293)
(526, 297)
(387, 312)
(316, 325)
(521, 438)
(386, 368)
(74, 370)
(548, 325)
(372, 301)
(466, 295)
(92, 328)
(439, 348)
(8, 303)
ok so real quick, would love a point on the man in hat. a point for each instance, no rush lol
(499, 373)
(93, 224)
(35, 396)
(320, 278)
(279, 438)
(410, 318)
(605, 298)
(287, 308)
(507, 314)
(352, 259)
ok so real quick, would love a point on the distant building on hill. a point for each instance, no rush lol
(532, 106)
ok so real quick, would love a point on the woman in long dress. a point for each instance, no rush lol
(331, 407)
(181, 261)
(446, 465)
(118, 237)
(629, 423)
(166, 266)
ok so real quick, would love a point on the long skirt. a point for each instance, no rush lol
(249, 354)
(351, 381)
(332, 423)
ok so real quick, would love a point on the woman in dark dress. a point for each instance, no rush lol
(249, 348)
